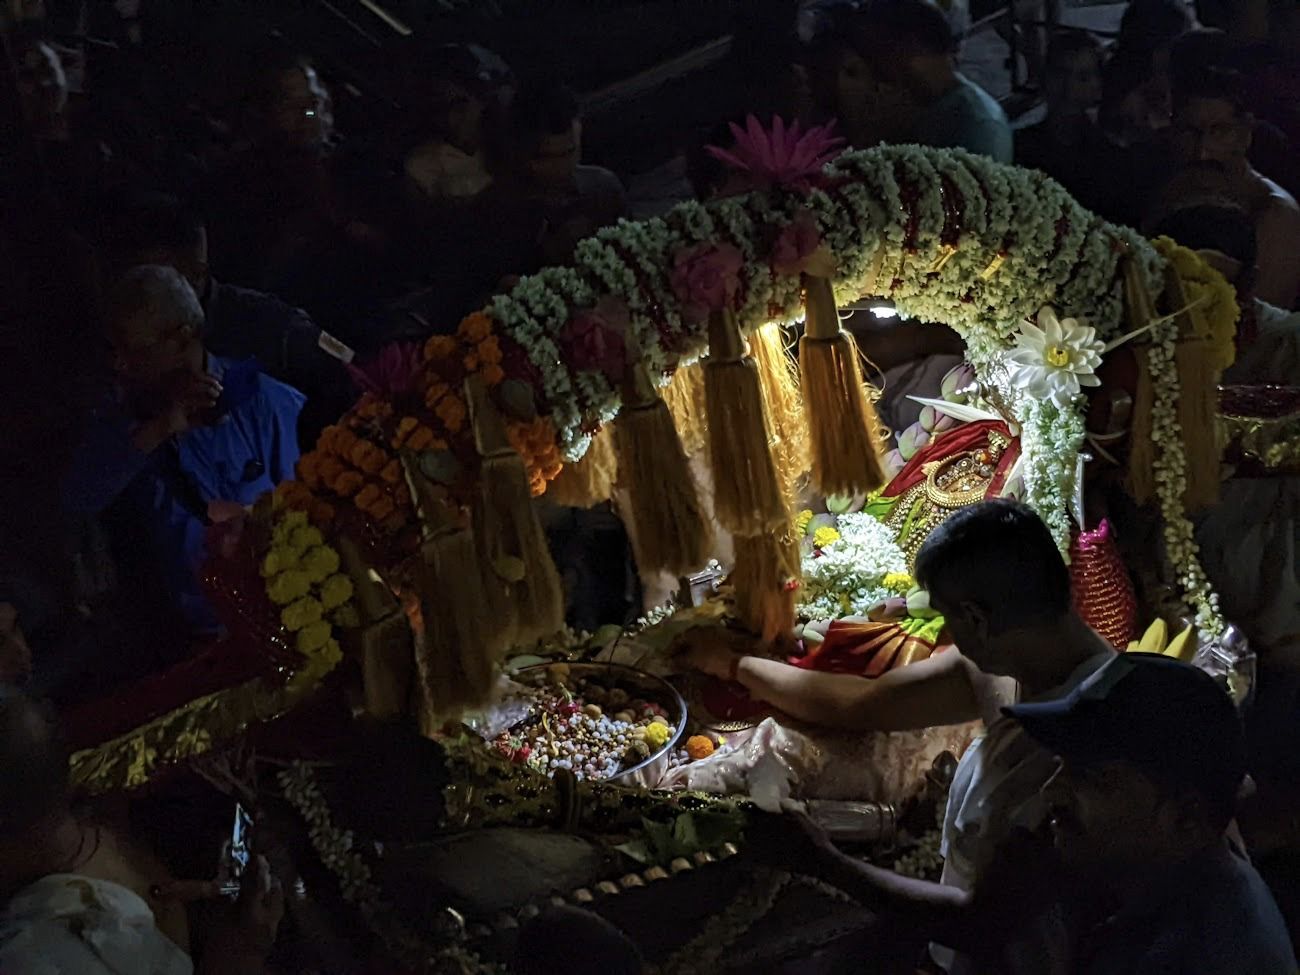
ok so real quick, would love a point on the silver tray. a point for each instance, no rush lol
(635, 682)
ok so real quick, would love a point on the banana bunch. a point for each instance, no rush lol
(1156, 640)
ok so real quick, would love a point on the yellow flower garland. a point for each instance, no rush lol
(1215, 311)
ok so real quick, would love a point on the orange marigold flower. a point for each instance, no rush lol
(451, 411)
(405, 428)
(367, 407)
(308, 468)
(493, 374)
(422, 439)
(369, 457)
(489, 350)
(329, 438)
(392, 472)
(536, 484)
(381, 508)
(367, 496)
(347, 484)
(475, 327)
(321, 512)
(439, 347)
(552, 469)
(470, 362)
(330, 469)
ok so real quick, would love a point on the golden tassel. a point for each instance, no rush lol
(779, 374)
(845, 432)
(670, 529)
(747, 494)
(765, 581)
(383, 644)
(684, 395)
(1141, 457)
(510, 534)
(591, 480)
(1198, 402)
(456, 664)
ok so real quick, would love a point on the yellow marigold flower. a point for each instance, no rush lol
(320, 563)
(271, 564)
(301, 612)
(314, 636)
(287, 586)
(439, 347)
(285, 525)
(476, 327)
(898, 581)
(305, 536)
(802, 520)
(336, 591)
(825, 535)
(656, 735)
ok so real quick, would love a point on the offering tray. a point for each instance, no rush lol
(596, 720)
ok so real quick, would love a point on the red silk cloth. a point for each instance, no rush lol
(965, 438)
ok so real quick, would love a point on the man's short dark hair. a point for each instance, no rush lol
(33, 763)
(1212, 84)
(137, 225)
(1151, 24)
(918, 24)
(1213, 226)
(999, 555)
(1196, 51)
(542, 109)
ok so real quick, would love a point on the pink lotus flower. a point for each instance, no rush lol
(767, 158)
(706, 278)
(797, 242)
(593, 338)
(393, 372)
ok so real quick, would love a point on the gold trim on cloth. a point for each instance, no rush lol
(132, 759)
(1272, 442)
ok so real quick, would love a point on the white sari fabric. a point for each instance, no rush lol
(66, 924)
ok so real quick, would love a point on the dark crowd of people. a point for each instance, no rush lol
(194, 253)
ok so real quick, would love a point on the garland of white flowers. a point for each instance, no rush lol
(703, 954)
(953, 238)
(847, 576)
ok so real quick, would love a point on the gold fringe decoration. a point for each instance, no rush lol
(748, 498)
(1198, 389)
(779, 373)
(765, 582)
(383, 644)
(455, 661)
(591, 480)
(684, 395)
(1141, 458)
(845, 432)
(509, 533)
(669, 526)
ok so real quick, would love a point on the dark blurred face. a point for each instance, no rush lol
(300, 109)
(1075, 86)
(1109, 817)
(42, 87)
(151, 349)
(968, 626)
(555, 158)
(461, 115)
(1211, 130)
(192, 262)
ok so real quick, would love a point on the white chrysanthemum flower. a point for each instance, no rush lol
(1055, 358)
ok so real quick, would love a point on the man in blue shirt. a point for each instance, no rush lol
(913, 48)
(189, 439)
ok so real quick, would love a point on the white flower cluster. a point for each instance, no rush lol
(333, 846)
(846, 579)
(703, 954)
(967, 242)
(1050, 439)
(1181, 550)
